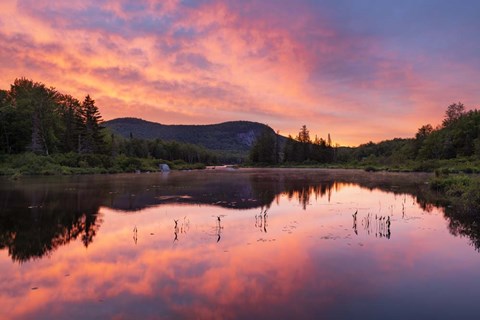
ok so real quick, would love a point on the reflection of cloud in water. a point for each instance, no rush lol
(308, 262)
(291, 275)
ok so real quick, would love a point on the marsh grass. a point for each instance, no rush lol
(73, 163)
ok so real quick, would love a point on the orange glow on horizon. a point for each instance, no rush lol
(215, 62)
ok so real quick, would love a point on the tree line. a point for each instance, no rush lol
(270, 149)
(457, 137)
(41, 120)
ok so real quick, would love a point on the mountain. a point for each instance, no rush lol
(237, 136)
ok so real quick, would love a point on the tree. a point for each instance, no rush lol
(264, 149)
(70, 109)
(423, 132)
(453, 113)
(304, 135)
(91, 132)
(33, 119)
(4, 136)
(289, 149)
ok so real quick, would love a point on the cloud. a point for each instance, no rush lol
(282, 63)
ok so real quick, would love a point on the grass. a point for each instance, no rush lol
(72, 163)
(372, 164)
(461, 190)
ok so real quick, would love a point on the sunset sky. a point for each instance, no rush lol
(360, 70)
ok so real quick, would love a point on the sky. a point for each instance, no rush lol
(359, 70)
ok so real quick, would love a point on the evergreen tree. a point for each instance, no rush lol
(91, 138)
(72, 121)
(304, 135)
(305, 141)
(4, 136)
(264, 149)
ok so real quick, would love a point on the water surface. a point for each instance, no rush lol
(234, 244)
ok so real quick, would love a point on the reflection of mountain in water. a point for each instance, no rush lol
(40, 214)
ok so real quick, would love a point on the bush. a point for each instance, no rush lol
(425, 166)
(127, 163)
(70, 159)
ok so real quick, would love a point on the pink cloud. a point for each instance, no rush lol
(272, 62)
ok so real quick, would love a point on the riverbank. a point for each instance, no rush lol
(73, 163)
(444, 166)
(455, 183)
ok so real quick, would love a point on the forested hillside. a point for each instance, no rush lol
(238, 136)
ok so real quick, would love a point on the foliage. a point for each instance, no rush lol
(91, 130)
(460, 190)
(265, 149)
(73, 163)
(43, 131)
(41, 120)
(458, 140)
(235, 137)
(303, 150)
(453, 113)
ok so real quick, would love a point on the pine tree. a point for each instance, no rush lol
(91, 139)
(5, 112)
(264, 149)
(72, 122)
(304, 135)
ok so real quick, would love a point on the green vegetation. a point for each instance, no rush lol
(74, 163)
(461, 191)
(43, 131)
(301, 151)
(230, 141)
(451, 150)
(452, 147)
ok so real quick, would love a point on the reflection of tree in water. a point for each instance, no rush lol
(462, 222)
(304, 191)
(35, 222)
(36, 218)
(266, 188)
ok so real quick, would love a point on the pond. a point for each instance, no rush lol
(234, 244)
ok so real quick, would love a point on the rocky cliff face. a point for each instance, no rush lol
(247, 138)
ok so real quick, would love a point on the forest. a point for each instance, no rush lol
(451, 150)
(43, 131)
(47, 132)
(453, 145)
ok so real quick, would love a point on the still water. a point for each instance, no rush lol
(234, 244)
